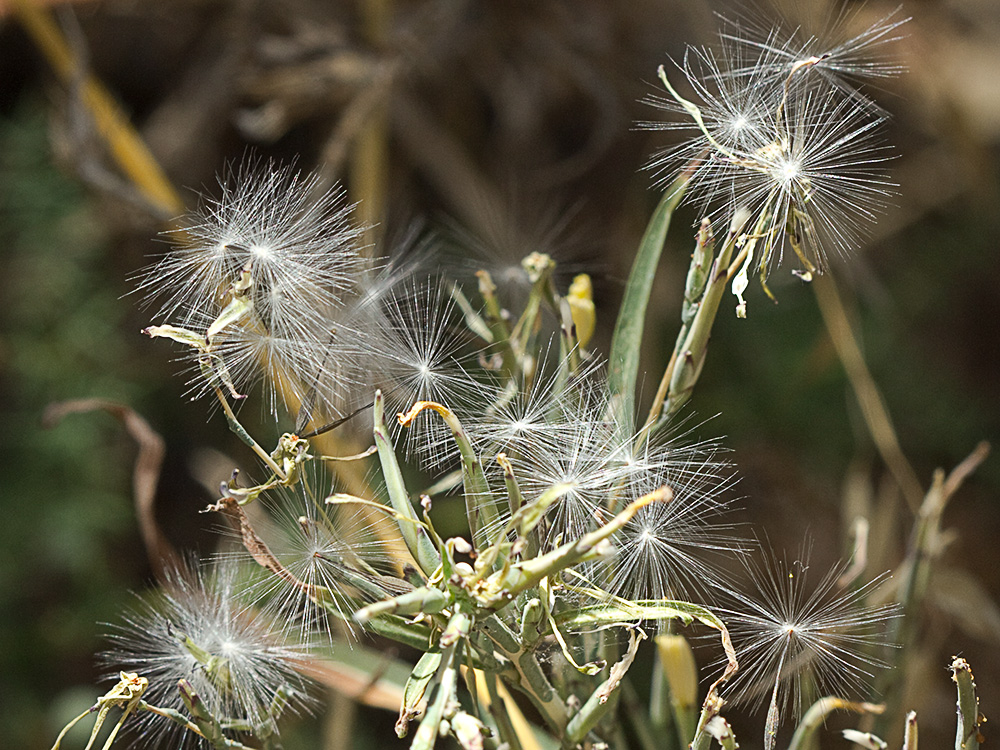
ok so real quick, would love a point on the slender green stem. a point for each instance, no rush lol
(210, 728)
(480, 504)
(242, 434)
(814, 718)
(647, 732)
(600, 702)
(709, 710)
(527, 675)
(498, 711)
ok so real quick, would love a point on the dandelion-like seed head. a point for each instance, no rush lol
(420, 351)
(844, 58)
(520, 419)
(268, 268)
(280, 224)
(575, 449)
(671, 550)
(778, 128)
(796, 641)
(334, 555)
(199, 628)
(787, 171)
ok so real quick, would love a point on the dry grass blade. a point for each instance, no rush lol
(145, 473)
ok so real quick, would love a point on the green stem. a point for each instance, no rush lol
(242, 434)
(528, 574)
(480, 504)
(600, 701)
(527, 675)
(649, 735)
(710, 709)
(208, 725)
(498, 712)
(816, 716)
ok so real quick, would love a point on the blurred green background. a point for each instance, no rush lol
(512, 120)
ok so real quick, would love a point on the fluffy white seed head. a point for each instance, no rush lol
(286, 253)
(297, 241)
(335, 547)
(198, 628)
(672, 549)
(420, 350)
(848, 54)
(776, 127)
(797, 640)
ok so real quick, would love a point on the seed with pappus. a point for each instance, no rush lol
(296, 240)
(841, 60)
(671, 550)
(419, 351)
(263, 273)
(333, 552)
(796, 642)
(198, 628)
(776, 128)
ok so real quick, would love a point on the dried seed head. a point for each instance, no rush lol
(198, 628)
(777, 128)
(796, 642)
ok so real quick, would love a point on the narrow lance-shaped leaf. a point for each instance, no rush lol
(816, 716)
(416, 687)
(480, 504)
(597, 705)
(417, 541)
(623, 366)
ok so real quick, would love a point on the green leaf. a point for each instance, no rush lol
(416, 686)
(621, 611)
(626, 344)
(816, 716)
(414, 535)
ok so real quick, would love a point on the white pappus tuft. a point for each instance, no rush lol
(263, 273)
(796, 641)
(778, 129)
(671, 550)
(297, 241)
(198, 628)
(334, 552)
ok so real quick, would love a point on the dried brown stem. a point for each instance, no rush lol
(873, 408)
(145, 475)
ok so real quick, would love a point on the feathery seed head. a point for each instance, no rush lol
(264, 272)
(796, 641)
(670, 550)
(420, 352)
(298, 244)
(843, 61)
(198, 628)
(777, 129)
(332, 551)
